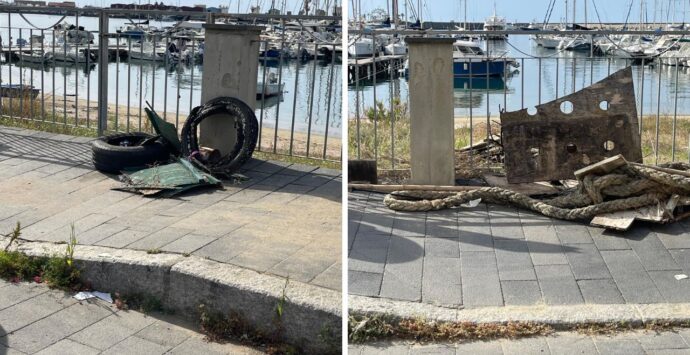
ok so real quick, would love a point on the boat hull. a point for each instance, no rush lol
(466, 68)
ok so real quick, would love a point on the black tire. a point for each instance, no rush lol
(108, 156)
(247, 131)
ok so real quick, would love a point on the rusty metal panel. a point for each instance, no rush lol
(553, 143)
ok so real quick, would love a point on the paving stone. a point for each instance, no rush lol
(672, 235)
(27, 312)
(441, 247)
(51, 329)
(402, 276)
(197, 345)
(474, 230)
(409, 224)
(630, 277)
(226, 248)
(513, 259)
(558, 285)
(682, 257)
(188, 243)
(441, 349)
(480, 282)
(99, 233)
(442, 226)
(364, 283)
(12, 294)
(572, 232)
(441, 283)
(122, 239)
(505, 222)
(312, 180)
(165, 334)
(608, 240)
(618, 346)
(262, 260)
(565, 343)
(376, 223)
(307, 263)
(674, 291)
(662, 340)
(369, 253)
(525, 346)
(480, 348)
(602, 291)
(586, 263)
(331, 277)
(66, 346)
(543, 244)
(135, 345)
(111, 330)
(160, 238)
(521, 292)
(652, 253)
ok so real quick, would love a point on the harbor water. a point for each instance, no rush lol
(173, 89)
(542, 76)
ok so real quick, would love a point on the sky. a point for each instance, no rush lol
(529, 10)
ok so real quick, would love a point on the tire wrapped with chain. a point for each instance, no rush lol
(245, 123)
(627, 187)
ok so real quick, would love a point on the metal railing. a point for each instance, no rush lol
(104, 88)
(378, 114)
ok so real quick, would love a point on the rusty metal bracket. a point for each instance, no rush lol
(573, 131)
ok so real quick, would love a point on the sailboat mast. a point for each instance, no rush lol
(574, 13)
(395, 14)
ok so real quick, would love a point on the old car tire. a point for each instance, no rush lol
(110, 157)
(247, 131)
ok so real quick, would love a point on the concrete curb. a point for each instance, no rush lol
(183, 283)
(556, 316)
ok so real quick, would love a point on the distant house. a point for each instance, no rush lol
(63, 4)
(29, 3)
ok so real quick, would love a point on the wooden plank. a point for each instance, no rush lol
(603, 167)
(530, 188)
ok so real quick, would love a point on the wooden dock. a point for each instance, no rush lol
(385, 66)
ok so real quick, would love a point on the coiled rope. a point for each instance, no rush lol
(628, 187)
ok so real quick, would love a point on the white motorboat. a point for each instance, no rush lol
(495, 23)
(146, 51)
(361, 47)
(269, 89)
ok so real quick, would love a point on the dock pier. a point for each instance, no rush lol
(385, 66)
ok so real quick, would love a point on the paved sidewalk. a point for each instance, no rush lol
(284, 221)
(496, 255)
(629, 343)
(37, 320)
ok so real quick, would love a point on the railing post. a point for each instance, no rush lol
(431, 111)
(231, 65)
(102, 72)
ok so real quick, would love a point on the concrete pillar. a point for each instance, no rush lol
(231, 64)
(431, 110)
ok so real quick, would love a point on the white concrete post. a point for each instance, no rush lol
(231, 64)
(431, 110)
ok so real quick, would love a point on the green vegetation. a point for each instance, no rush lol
(385, 133)
(368, 328)
(139, 302)
(57, 271)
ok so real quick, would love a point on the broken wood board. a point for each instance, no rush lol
(603, 167)
(622, 220)
(573, 131)
(530, 188)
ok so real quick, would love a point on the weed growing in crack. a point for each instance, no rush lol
(57, 271)
(14, 236)
(139, 302)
